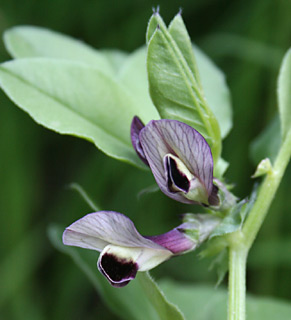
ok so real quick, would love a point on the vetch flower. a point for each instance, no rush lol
(123, 250)
(179, 157)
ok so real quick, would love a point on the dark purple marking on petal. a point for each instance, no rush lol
(175, 178)
(175, 240)
(136, 126)
(161, 137)
(213, 199)
(117, 271)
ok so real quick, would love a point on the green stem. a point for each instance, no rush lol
(266, 193)
(241, 242)
(236, 284)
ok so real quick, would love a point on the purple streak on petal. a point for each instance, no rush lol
(175, 240)
(136, 126)
(117, 271)
(96, 230)
(160, 137)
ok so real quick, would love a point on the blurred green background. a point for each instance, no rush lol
(247, 40)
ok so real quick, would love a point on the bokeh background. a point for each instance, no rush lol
(247, 40)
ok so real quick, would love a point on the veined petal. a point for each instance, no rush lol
(176, 240)
(124, 250)
(136, 126)
(96, 230)
(162, 137)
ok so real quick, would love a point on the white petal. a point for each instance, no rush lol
(97, 230)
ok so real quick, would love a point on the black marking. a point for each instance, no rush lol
(175, 177)
(117, 269)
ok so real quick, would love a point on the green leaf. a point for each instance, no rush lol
(212, 78)
(141, 299)
(216, 91)
(235, 218)
(201, 302)
(28, 41)
(133, 76)
(165, 309)
(71, 98)
(284, 94)
(175, 90)
(178, 31)
(267, 144)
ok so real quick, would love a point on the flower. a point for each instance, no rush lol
(124, 251)
(179, 157)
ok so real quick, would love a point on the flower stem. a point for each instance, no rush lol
(266, 193)
(241, 242)
(237, 285)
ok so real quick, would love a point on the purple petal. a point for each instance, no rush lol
(136, 126)
(97, 230)
(175, 240)
(161, 137)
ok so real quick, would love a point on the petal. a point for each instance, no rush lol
(175, 240)
(161, 137)
(176, 179)
(96, 230)
(120, 264)
(136, 126)
(118, 270)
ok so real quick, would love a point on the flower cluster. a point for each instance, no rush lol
(181, 162)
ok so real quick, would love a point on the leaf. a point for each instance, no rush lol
(135, 301)
(235, 218)
(71, 98)
(133, 76)
(267, 144)
(216, 91)
(180, 35)
(174, 88)
(284, 94)
(202, 302)
(213, 81)
(29, 41)
(165, 309)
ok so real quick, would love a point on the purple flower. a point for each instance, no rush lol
(179, 157)
(123, 250)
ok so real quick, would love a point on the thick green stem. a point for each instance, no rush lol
(237, 284)
(241, 242)
(266, 193)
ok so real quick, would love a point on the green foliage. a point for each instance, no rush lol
(206, 303)
(73, 99)
(267, 144)
(284, 94)
(174, 88)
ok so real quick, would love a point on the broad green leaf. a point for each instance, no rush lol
(180, 35)
(165, 309)
(175, 90)
(141, 299)
(284, 94)
(213, 81)
(201, 302)
(216, 91)
(133, 77)
(29, 41)
(267, 144)
(71, 98)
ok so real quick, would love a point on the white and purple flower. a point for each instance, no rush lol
(179, 157)
(124, 251)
